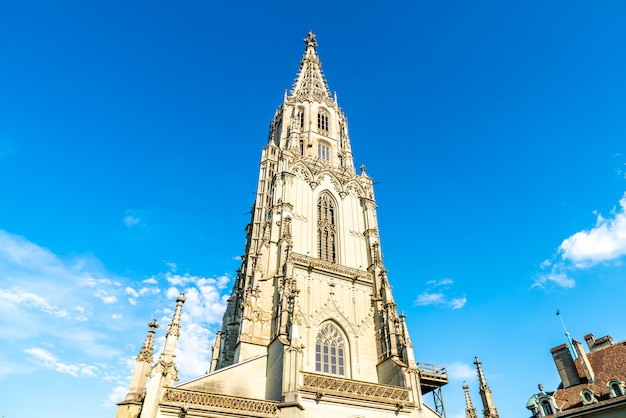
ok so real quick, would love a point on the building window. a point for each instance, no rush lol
(301, 117)
(323, 151)
(326, 228)
(588, 397)
(322, 122)
(546, 408)
(616, 388)
(330, 351)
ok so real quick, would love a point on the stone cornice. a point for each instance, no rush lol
(311, 263)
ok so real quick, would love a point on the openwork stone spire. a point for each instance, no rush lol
(470, 411)
(310, 82)
(145, 355)
(489, 410)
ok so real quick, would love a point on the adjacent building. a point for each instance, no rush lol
(592, 383)
(311, 327)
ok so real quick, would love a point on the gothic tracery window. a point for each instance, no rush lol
(323, 151)
(322, 122)
(330, 351)
(326, 228)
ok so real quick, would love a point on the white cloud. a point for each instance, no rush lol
(458, 303)
(554, 278)
(31, 300)
(117, 395)
(105, 297)
(426, 299)
(460, 371)
(604, 242)
(50, 361)
(202, 312)
(436, 295)
(73, 306)
(131, 220)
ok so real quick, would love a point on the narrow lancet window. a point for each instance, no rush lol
(326, 228)
(301, 117)
(323, 152)
(322, 122)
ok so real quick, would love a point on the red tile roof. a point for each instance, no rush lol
(607, 363)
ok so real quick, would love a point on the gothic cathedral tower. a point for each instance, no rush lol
(311, 326)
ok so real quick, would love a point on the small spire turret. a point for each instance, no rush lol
(164, 371)
(143, 361)
(489, 410)
(145, 355)
(470, 411)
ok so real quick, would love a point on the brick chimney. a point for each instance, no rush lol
(596, 345)
(565, 365)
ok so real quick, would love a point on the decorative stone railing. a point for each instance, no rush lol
(328, 385)
(221, 403)
(316, 263)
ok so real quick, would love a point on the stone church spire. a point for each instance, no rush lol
(489, 410)
(310, 82)
(142, 365)
(310, 124)
(470, 411)
(311, 323)
(164, 371)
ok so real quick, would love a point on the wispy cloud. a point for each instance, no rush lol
(604, 243)
(31, 300)
(50, 361)
(202, 313)
(59, 314)
(460, 371)
(437, 294)
(131, 220)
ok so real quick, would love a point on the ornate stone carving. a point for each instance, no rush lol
(145, 355)
(221, 403)
(317, 264)
(329, 385)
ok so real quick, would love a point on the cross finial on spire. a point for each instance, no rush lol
(489, 410)
(153, 325)
(310, 41)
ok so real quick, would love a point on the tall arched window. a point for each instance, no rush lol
(301, 117)
(322, 122)
(326, 228)
(330, 350)
(323, 151)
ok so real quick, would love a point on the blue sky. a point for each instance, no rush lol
(130, 137)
